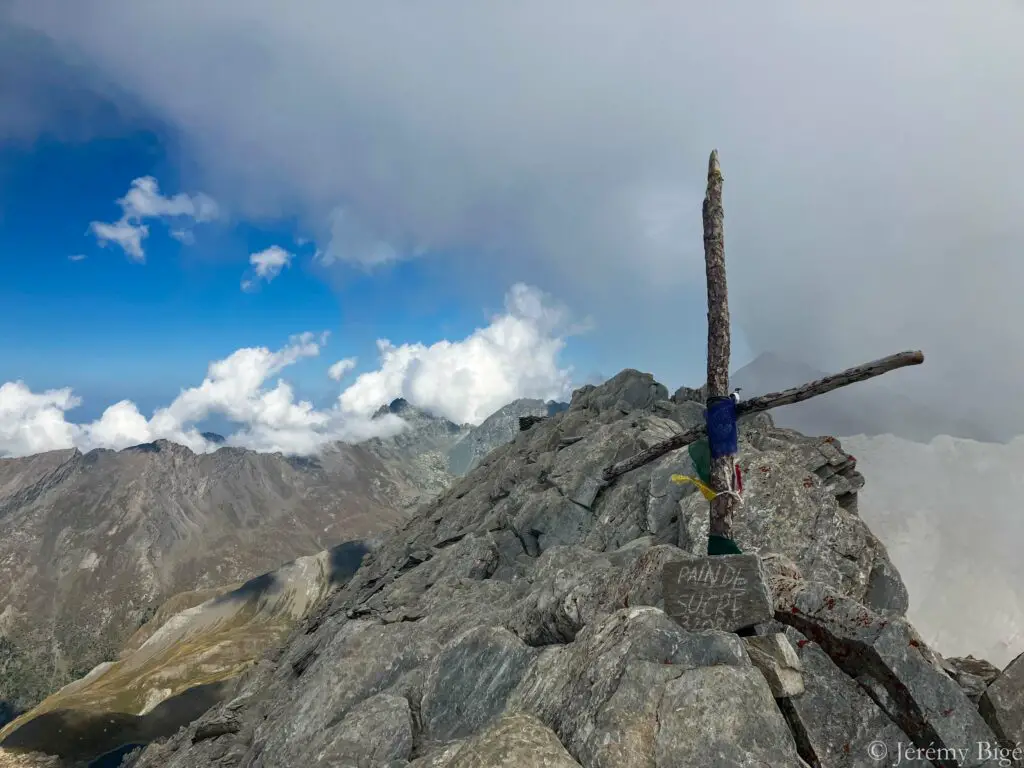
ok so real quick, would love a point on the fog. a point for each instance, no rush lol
(949, 514)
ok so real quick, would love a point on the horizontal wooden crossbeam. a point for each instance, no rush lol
(766, 402)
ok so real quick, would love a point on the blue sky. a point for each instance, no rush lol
(83, 314)
(112, 328)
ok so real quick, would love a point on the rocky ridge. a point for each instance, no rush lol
(507, 624)
(434, 450)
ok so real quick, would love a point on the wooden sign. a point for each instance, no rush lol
(725, 592)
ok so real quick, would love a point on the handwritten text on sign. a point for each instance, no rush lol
(725, 592)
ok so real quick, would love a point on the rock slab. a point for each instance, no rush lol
(920, 697)
(775, 656)
(1002, 704)
(727, 592)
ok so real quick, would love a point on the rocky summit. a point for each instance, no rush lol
(524, 618)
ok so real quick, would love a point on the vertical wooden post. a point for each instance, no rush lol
(719, 340)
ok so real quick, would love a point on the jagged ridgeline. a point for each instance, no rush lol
(506, 624)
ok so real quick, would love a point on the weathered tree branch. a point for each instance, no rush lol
(719, 338)
(829, 383)
(767, 402)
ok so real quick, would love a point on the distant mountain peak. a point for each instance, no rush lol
(403, 408)
(775, 370)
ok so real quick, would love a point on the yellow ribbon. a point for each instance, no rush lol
(681, 479)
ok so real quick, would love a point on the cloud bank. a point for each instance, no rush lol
(874, 173)
(515, 356)
(949, 513)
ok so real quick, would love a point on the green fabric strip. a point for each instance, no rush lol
(719, 545)
(700, 455)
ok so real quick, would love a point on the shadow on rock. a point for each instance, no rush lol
(80, 736)
(346, 559)
(7, 712)
(253, 588)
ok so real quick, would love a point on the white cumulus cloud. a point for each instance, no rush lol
(144, 201)
(30, 423)
(516, 355)
(123, 233)
(466, 381)
(267, 264)
(340, 369)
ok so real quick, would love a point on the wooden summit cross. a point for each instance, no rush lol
(718, 393)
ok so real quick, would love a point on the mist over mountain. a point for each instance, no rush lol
(949, 513)
(497, 429)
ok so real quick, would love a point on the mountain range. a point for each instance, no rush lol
(94, 543)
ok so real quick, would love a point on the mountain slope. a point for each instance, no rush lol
(178, 664)
(90, 544)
